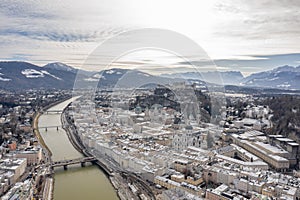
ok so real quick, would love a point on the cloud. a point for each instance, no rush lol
(254, 20)
(237, 34)
(53, 35)
(48, 30)
(26, 9)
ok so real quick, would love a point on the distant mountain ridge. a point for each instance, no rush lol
(127, 78)
(60, 66)
(228, 77)
(63, 67)
(23, 75)
(284, 77)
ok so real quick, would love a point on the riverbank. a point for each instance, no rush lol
(76, 142)
(36, 128)
(118, 177)
(38, 135)
(67, 126)
(49, 182)
(77, 182)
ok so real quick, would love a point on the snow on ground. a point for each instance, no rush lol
(91, 79)
(285, 85)
(143, 74)
(4, 79)
(32, 73)
(271, 79)
(47, 73)
(110, 72)
(98, 76)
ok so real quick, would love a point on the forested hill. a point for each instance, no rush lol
(286, 116)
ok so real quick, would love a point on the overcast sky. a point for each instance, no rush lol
(243, 35)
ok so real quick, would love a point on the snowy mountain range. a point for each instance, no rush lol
(61, 67)
(23, 75)
(126, 78)
(284, 77)
(228, 77)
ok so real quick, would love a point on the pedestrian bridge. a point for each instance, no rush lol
(66, 163)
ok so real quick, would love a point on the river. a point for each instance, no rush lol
(77, 182)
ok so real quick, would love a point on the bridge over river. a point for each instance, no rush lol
(84, 182)
(50, 127)
(65, 163)
(52, 112)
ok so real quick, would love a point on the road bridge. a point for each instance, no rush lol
(48, 127)
(66, 163)
(53, 111)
